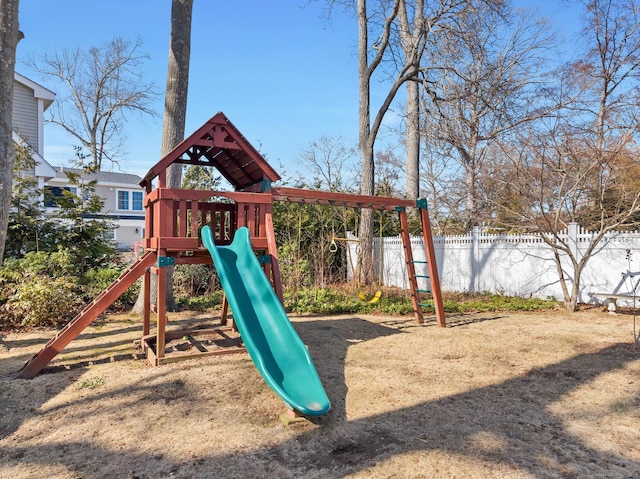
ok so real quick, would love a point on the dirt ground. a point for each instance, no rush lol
(500, 395)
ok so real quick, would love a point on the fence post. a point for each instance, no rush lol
(475, 259)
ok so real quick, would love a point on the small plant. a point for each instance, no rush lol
(334, 300)
(92, 383)
(209, 302)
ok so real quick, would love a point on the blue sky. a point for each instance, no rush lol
(278, 69)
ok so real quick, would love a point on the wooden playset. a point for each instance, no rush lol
(174, 217)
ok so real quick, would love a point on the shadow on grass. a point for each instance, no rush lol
(94, 334)
(457, 320)
(453, 320)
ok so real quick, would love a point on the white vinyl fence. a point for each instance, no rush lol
(516, 265)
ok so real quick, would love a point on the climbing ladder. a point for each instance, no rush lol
(74, 327)
(416, 280)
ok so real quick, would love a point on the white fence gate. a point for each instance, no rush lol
(517, 265)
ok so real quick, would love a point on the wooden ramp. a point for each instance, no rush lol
(74, 327)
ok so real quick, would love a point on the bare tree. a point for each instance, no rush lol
(416, 23)
(9, 37)
(327, 164)
(327, 161)
(490, 72)
(100, 86)
(382, 23)
(175, 112)
(440, 184)
(583, 166)
(411, 34)
(388, 22)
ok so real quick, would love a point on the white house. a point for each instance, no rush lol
(30, 101)
(122, 197)
(121, 193)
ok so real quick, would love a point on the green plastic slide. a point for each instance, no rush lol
(273, 344)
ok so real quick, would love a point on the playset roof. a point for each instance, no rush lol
(218, 143)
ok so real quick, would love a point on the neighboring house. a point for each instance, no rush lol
(30, 101)
(121, 193)
(122, 197)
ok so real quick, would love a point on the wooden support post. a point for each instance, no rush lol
(146, 296)
(273, 251)
(148, 218)
(224, 315)
(161, 308)
(427, 237)
(241, 216)
(292, 417)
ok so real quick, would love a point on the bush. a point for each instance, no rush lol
(39, 290)
(99, 280)
(190, 280)
(46, 289)
(41, 301)
(54, 265)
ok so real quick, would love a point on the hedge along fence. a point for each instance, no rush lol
(516, 265)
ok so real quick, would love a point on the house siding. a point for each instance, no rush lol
(128, 233)
(107, 193)
(25, 114)
(129, 224)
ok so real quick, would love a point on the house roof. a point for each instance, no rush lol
(218, 143)
(101, 176)
(38, 90)
(43, 168)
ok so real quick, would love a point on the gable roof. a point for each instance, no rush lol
(43, 168)
(38, 90)
(110, 177)
(218, 143)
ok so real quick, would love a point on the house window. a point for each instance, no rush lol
(123, 200)
(53, 195)
(136, 200)
(129, 200)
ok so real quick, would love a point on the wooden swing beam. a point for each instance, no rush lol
(299, 195)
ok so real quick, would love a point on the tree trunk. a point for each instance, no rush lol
(470, 183)
(175, 112)
(9, 37)
(175, 103)
(413, 141)
(365, 258)
(410, 37)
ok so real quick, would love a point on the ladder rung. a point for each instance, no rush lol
(417, 261)
(420, 276)
(425, 305)
(423, 290)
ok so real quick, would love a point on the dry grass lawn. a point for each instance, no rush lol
(501, 395)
